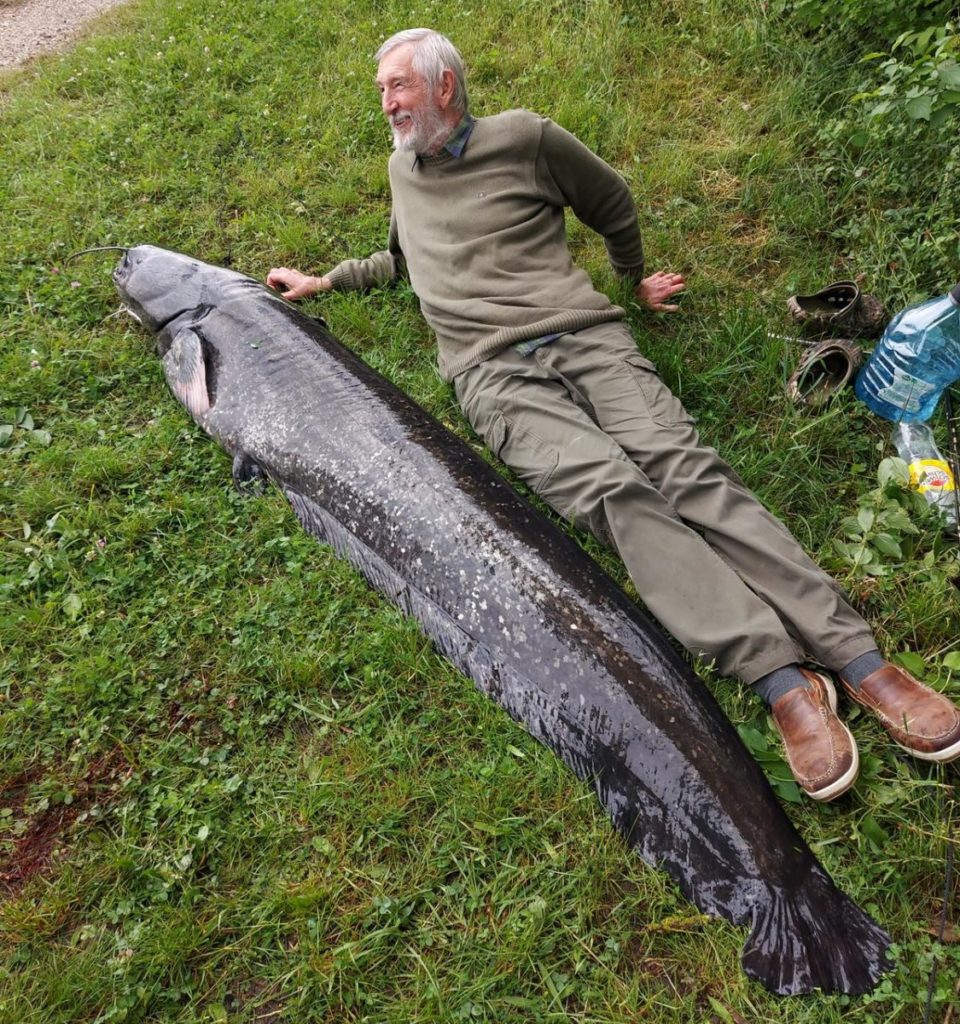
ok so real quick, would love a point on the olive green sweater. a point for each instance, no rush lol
(482, 237)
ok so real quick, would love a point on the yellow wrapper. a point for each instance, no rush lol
(930, 475)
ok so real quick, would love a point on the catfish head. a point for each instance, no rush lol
(159, 286)
(169, 293)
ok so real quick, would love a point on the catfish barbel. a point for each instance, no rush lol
(512, 601)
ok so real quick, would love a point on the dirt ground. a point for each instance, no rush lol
(30, 27)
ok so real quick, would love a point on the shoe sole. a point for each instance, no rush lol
(848, 778)
(944, 756)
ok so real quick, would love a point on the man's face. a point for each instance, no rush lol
(413, 112)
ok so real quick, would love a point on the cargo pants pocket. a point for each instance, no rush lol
(529, 456)
(663, 405)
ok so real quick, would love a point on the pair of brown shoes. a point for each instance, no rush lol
(821, 750)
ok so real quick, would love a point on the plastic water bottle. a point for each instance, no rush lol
(917, 357)
(930, 472)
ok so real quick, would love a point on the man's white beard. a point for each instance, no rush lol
(428, 129)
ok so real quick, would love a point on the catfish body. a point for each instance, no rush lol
(511, 600)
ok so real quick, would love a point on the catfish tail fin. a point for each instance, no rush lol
(812, 936)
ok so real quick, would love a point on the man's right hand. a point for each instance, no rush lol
(298, 285)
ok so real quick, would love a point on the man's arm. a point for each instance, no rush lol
(601, 199)
(351, 275)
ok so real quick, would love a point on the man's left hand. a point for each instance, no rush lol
(653, 291)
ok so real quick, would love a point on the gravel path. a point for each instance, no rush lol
(29, 27)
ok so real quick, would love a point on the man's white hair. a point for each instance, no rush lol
(433, 54)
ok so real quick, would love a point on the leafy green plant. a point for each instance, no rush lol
(873, 18)
(892, 526)
(919, 77)
(766, 750)
(17, 429)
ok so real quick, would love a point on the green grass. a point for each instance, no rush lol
(253, 789)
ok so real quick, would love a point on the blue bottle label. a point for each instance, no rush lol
(905, 391)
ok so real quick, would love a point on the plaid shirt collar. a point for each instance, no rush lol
(457, 142)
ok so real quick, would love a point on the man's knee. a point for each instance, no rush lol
(585, 491)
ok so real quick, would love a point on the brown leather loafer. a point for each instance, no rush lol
(820, 749)
(919, 719)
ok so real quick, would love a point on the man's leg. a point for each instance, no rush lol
(623, 393)
(528, 419)
(633, 406)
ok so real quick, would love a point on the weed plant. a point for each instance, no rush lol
(236, 784)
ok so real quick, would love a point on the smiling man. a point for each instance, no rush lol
(549, 375)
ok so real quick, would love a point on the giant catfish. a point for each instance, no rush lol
(514, 603)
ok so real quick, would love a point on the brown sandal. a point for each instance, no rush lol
(823, 370)
(839, 307)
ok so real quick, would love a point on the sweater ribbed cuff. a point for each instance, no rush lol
(338, 278)
(634, 274)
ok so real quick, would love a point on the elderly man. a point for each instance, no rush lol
(549, 375)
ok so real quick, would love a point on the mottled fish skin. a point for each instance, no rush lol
(511, 600)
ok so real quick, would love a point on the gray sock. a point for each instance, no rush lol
(861, 667)
(775, 684)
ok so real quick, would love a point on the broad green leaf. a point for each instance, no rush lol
(851, 527)
(952, 661)
(873, 831)
(893, 469)
(923, 38)
(881, 108)
(949, 74)
(788, 791)
(72, 604)
(886, 545)
(753, 739)
(41, 437)
(897, 519)
(865, 518)
(849, 551)
(875, 568)
(913, 663)
(919, 108)
(6, 432)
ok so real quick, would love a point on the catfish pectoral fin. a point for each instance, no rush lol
(812, 936)
(186, 372)
(248, 478)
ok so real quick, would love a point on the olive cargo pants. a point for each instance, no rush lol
(586, 423)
